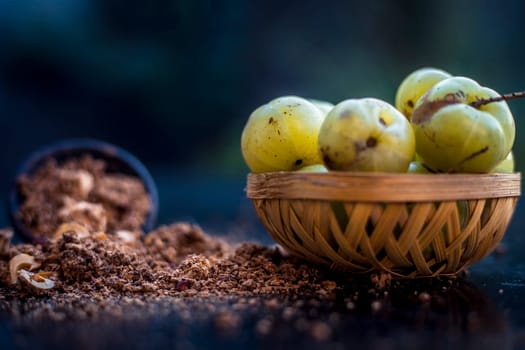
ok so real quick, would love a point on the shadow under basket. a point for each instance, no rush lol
(408, 225)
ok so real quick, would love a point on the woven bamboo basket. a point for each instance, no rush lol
(409, 225)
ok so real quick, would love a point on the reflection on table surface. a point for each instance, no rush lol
(454, 313)
(479, 310)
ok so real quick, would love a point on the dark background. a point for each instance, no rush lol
(173, 82)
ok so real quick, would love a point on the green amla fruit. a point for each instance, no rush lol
(415, 85)
(418, 167)
(314, 168)
(506, 165)
(366, 135)
(282, 135)
(454, 135)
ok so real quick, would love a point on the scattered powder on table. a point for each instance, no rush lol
(173, 260)
(177, 267)
(183, 274)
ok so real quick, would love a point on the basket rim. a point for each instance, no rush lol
(384, 187)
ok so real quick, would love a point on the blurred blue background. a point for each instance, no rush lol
(173, 82)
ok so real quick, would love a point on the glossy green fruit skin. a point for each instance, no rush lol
(415, 85)
(452, 136)
(315, 168)
(366, 135)
(417, 158)
(282, 135)
(417, 167)
(506, 166)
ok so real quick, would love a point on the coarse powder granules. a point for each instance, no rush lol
(81, 190)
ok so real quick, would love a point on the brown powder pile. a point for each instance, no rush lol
(102, 251)
(176, 268)
(176, 260)
(81, 190)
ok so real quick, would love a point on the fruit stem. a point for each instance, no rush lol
(506, 97)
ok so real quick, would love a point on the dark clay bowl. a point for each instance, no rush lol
(118, 161)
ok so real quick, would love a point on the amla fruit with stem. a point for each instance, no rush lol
(461, 126)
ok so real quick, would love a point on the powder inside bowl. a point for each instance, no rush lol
(81, 190)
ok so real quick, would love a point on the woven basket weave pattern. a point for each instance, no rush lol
(407, 239)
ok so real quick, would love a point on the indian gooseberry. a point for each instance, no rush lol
(453, 135)
(281, 135)
(415, 85)
(366, 134)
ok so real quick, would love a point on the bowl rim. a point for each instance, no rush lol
(381, 187)
(68, 148)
